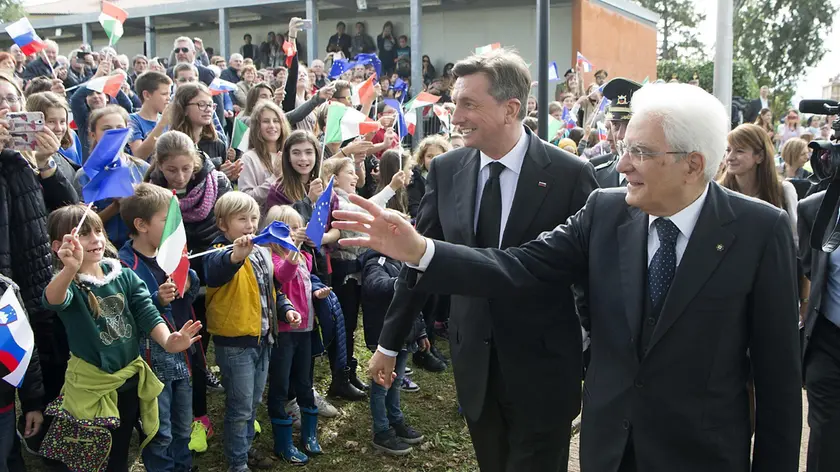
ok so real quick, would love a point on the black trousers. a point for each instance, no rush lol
(506, 441)
(822, 379)
(198, 359)
(349, 297)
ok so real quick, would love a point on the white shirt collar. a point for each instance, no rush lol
(513, 159)
(685, 219)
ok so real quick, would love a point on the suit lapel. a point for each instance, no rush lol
(464, 182)
(632, 263)
(707, 246)
(531, 189)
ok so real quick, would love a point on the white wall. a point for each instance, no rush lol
(447, 35)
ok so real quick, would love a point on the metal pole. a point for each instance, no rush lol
(416, 66)
(312, 33)
(542, 68)
(151, 37)
(87, 36)
(224, 33)
(723, 55)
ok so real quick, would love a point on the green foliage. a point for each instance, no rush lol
(678, 35)
(10, 10)
(744, 83)
(781, 38)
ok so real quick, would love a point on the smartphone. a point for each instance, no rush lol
(306, 24)
(25, 122)
(23, 142)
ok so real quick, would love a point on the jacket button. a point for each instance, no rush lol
(625, 424)
(651, 321)
(487, 341)
(639, 384)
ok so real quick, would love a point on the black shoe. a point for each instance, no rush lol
(406, 433)
(342, 388)
(389, 443)
(435, 352)
(354, 379)
(426, 361)
(213, 383)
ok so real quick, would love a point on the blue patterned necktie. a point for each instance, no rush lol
(664, 262)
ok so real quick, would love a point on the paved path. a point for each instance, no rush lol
(574, 456)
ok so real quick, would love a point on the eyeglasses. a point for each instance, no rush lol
(638, 154)
(10, 99)
(203, 106)
(182, 50)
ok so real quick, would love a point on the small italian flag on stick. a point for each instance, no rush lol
(172, 253)
(112, 19)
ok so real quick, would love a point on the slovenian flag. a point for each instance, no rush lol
(602, 131)
(364, 92)
(584, 62)
(402, 127)
(320, 216)
(239, 139)
(553, 71)
(172, 252)
(277, 233)
(423, 99)
(219, 86)
(24, 35)
(112, 18)
(488, 48)
(569, 118)
(16, 339)
(109, 84)
(345, 123)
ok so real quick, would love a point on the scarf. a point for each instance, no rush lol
(198, 203)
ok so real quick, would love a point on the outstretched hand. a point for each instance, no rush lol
(182, 339)
(387, 232)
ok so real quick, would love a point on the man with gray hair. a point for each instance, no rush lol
(40, 67)
(321, 79)
(692, 291)
(502, 190)
(184, 53)
(231, 72)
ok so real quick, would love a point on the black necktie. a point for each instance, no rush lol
(664, 262)
(490, 211)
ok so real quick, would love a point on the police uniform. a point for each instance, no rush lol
(619, 92)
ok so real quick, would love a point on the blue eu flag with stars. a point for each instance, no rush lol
(320, 215)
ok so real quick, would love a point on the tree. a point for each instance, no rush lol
(678, 21)
(743, 82)
(781, 38)
(10, 10)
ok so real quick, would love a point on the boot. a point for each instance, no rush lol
(309, 431)
(341, 387)
(354, 380)
(284, 447)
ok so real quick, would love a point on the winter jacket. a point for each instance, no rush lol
(416, 189)
(31, 392)
(167, 366)
(38, 68)
(231, 75)
(296, 282)
(330, 319)
(379, 277)
(25, 256)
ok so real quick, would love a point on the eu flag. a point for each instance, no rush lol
(340, 66)
(320, 215)
(109, 147)
(399, 86)
(277, 233)
(370, 58)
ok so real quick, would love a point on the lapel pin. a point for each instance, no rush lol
(542, 184)
(719, 247)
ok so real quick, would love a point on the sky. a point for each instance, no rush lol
(814, 78)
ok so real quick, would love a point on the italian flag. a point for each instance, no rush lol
(423, 99)
(364, 92)
(345, 123)
(411, 121)
(112, 18)
(443, 115)
(488, 48)
(172, 252)
(109, 84)
(239, 139)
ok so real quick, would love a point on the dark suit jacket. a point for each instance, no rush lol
(814, 263)
(536, 332)
(752, 111)
(685, 400)
(605, 171)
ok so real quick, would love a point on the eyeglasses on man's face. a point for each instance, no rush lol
(639, 153)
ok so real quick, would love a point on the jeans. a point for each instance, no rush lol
(169, 450)
(385, 402)
(290, 366)
(244, 372)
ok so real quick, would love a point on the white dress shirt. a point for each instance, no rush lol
(684, 220)
(764, 103)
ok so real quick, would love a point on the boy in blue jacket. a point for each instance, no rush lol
(144, 214)
(391, 433)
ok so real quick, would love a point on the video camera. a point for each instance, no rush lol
(825, 162)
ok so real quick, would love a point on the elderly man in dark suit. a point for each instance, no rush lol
(691, 288)
(502, 190)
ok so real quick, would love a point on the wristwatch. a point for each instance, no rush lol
(51, 164)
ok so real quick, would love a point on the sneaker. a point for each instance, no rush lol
(427, 361)
(293, 410)
(257, 428)
(389, 443)
(198, 437)
(258, 460)
(213, 383)
(408, 386)
(406, 433)
(325, 408)
(408, 371)
(241, 468)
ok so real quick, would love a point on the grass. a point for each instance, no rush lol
(346, 439)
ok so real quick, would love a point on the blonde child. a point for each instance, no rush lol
(242, 307)
(104, 308)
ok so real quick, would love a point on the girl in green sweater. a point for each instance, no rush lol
(102, 306)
